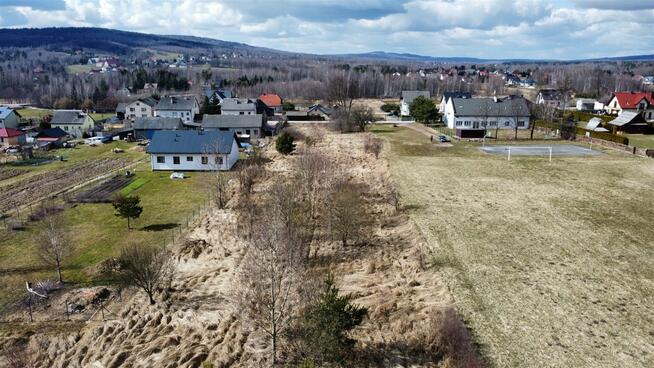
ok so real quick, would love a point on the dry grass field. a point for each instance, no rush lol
(551, 264)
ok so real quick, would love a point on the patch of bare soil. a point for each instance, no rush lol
(196, 320)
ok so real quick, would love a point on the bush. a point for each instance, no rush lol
(373, 145)
(288, 106)
(285, 143)
(392, 108)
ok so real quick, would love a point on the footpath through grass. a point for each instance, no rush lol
(551, 264)
(98, 234)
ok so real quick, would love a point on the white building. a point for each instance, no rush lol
(642, 102)
(448, 95)
(238, 106)
(473, 117)
(193, 150)
(184, 107)
(141, 108)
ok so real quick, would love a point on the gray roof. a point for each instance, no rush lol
(191, 141)
(594, 125)
(319, 108)
(409, 96)
(628, 117)
(176, 103)
(157, 123)
(5, 111)
(238, 104)
(503, 106)
(232, 121)
(71, 117)
(549, 94)
(448, 95)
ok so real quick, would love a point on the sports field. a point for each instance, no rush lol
(551, 264)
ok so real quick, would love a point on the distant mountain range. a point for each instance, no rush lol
(123, 42)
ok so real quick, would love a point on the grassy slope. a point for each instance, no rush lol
(551, 264)
(98, 234)
(641, 140)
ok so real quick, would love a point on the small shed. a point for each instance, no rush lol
(629, 122)
(595, 125)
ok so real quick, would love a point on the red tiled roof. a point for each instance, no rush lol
(9, 132)
(630, 100)
(271, 100)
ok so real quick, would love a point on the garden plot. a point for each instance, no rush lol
(44, 185)
(103, 192)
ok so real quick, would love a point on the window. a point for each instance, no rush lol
(256, 131)
(492, 123)
(66, 128)
(161, 159)
(241, 113)
(175, 160)
(142, 109)
(466, 123)
(507, 123)
(174, 113)
(247, 131)
(458, 123)
(189, 158)
(219, 160)
(205, 160)
(521, 123)
(131, 109)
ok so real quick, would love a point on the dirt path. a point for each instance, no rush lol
(429, 133)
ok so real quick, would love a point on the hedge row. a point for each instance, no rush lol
(581, 131)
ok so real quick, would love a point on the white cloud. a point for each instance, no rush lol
(481, 28)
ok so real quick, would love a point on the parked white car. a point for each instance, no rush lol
(177, 175)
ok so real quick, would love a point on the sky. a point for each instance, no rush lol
(555, 29)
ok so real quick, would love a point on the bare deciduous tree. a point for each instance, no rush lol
(271, 275)
(53, 244)
(146, 267)
(222, 188)
(342, 89)
(372, 144)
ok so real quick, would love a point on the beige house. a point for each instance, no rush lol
(141, 108)
(73, 122)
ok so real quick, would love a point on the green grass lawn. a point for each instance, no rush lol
(641, 140)
(33, 113)
(98, 234)
(79, 68)
(100, 116)
(551, 264)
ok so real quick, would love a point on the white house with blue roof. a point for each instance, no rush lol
(193, 150)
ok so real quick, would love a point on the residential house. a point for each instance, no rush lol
(449, 95)
(273, 102)
(550, 97)
(586, 105)
(629, 121)
(9, 118)
(320, 111)
(407, 100)
(244, 126)
(595, 125)
(472, 117)
(216, 96)
(145, 127)
(51, 137)
(73, 122)
(632, 101)
(193, 150)
(11, 137)
(244, 106)
(184, 107)
(143, 107)
(649, 80)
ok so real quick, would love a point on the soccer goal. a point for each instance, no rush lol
(529, 151)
